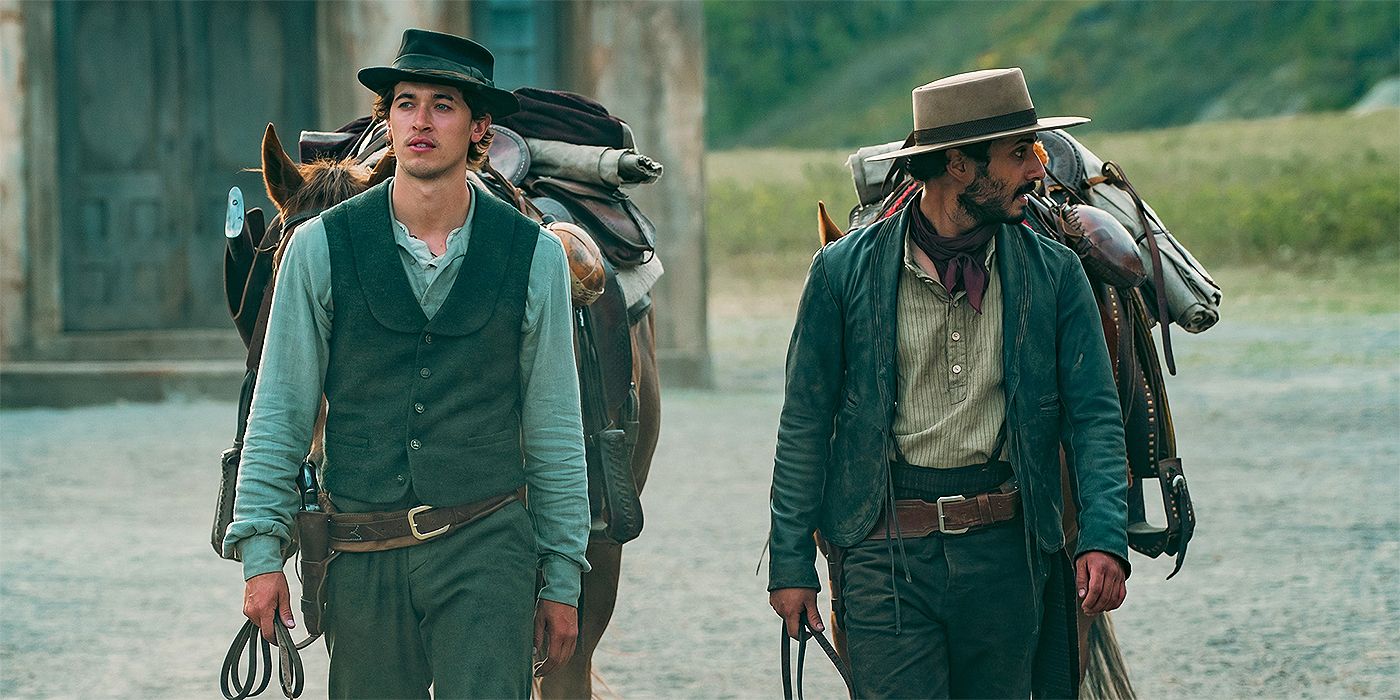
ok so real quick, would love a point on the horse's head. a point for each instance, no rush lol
(299, 189)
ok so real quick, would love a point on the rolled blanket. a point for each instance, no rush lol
(614, 167)
(1193, 298)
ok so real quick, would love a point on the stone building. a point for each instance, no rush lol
(125, 123)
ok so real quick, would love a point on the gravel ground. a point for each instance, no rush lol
(1292, 588)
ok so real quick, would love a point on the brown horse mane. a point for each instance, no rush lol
(326, 183)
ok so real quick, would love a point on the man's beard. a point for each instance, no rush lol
(984, 200)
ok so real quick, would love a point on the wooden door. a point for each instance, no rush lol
(521, 35)
(161, 105)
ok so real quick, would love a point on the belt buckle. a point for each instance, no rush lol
(413, 524)
(942, 519)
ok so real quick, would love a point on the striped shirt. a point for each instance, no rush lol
(951, 402)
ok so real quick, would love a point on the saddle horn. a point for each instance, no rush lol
(280, 174)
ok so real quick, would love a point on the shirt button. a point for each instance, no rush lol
(418, 407)
(957, 369)
(414, 444)
(957, 336)
(428, 338)
(425, 373)
(400, 478)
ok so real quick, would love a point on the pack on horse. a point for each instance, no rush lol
(1141, 276)
(562, 165)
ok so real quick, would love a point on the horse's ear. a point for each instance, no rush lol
(280, 174)
(382, 170)
(827, 229)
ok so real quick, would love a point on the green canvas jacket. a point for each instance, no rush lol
(831, 470)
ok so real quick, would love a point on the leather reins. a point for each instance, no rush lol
(803, 633)
(236, 683)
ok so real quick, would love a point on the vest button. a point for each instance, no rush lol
(428, 338)
(414, 444)
(425, 373)
(418, 407)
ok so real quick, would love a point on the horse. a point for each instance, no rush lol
(300, 191)
(1141, 276)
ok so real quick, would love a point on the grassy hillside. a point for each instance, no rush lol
(837, 74)
(1285, 192)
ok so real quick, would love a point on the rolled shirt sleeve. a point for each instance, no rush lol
(555, 467)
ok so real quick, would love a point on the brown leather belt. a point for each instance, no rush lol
(375, 532)
(950, 515)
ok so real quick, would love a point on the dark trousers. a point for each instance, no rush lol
(959, 621)
(456, 613)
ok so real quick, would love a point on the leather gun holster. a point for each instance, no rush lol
(313, 534)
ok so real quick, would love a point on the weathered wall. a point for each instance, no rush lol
(646, 62)
(353, 35)
(12, 200)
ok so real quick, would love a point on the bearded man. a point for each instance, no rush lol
(939, 360)
(436, 321)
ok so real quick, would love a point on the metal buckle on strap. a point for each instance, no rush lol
(942, 518)
(413, 524)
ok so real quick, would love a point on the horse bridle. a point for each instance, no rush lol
(804, 632)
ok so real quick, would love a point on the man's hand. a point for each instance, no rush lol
(1100, 583)
(266, 596)
(556, 634)
(792, 604)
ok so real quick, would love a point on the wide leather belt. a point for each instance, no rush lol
(376, 532)
(950, 515)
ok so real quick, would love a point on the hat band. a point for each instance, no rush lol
(976, 127)
(425, 62)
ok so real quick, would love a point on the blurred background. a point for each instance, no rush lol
(1265, 134)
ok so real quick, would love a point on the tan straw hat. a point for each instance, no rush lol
(972, 107)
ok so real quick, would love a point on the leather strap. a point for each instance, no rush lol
(804, 632)
(376, 532)
(952, 515)
(246, 643)
(1114, 174)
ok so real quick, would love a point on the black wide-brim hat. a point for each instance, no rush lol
(445, 59)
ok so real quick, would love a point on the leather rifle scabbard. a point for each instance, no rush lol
(624, 508)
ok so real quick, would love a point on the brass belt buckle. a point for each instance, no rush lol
(413, 524)
(942, 518)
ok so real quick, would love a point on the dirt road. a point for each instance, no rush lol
(1289, 436)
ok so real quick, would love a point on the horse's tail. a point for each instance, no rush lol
(1106, 677)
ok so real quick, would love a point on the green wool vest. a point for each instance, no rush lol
(420, 405)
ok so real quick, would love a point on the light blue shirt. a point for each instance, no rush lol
(293, 371)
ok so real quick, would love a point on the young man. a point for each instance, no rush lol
(435, 319)
(939, 360)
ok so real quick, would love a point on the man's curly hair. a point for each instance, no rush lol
(476, 153)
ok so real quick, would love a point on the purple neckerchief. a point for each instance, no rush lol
(960, 261)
